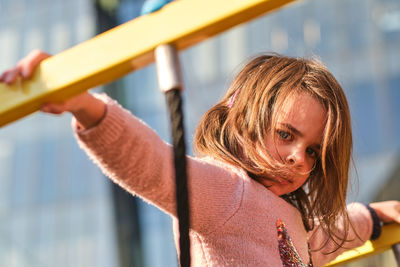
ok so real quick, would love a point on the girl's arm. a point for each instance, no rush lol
(87, 109)
(135, 157)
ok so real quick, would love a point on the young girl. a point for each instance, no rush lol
(269, 185)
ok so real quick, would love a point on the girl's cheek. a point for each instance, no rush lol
(310, 164)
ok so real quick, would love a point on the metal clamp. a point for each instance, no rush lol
(168, 68)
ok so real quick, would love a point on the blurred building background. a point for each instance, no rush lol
(57, 209)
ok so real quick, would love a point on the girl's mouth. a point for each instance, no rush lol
(284, 182)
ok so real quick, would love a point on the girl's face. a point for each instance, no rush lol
(298, 135)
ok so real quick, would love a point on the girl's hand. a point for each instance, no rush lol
(24, 67)
(87, 109)
(387, 211)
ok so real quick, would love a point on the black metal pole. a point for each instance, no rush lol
(170, 82)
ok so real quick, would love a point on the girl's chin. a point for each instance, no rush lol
(279, 189)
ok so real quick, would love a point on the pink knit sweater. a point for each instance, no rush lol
(233, 218)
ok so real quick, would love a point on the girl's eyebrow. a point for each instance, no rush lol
(293, 129)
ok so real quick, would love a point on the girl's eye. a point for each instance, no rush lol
(312, 153)
(284, 135)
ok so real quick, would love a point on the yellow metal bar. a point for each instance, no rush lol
(125, 48)
(390, 236)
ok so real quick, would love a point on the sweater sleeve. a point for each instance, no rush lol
(134, 156)
(359, 233)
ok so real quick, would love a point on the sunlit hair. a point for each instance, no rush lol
(234, 131)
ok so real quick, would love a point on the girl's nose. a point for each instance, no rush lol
(296, 157)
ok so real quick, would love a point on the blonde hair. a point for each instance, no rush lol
(234, 131)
